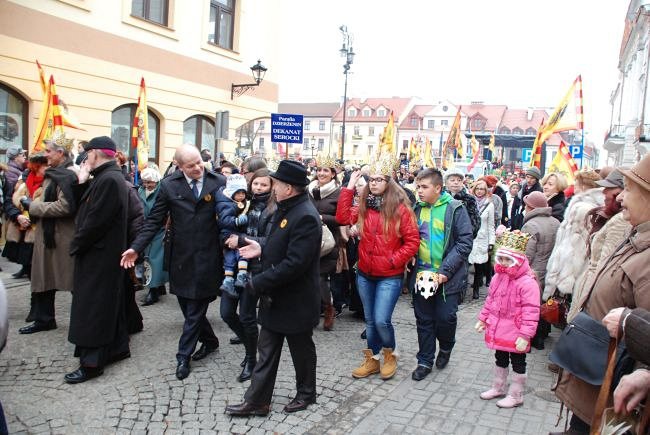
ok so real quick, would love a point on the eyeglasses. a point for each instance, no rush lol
(377, 180)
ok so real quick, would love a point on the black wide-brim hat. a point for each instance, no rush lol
(291, 172)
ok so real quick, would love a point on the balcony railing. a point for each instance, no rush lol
(616, 131)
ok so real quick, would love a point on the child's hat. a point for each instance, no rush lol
(513, 244)
(235, 183)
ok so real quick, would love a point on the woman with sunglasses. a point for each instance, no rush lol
(389, 239)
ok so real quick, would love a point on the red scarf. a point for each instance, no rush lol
(33, 182)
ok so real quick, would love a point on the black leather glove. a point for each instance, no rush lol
(26, 201)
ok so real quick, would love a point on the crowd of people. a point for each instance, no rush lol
(283, 246)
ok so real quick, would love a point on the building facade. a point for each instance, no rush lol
(189, 53)
(628, 138)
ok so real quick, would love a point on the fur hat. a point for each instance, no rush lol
(640, 173)
(534, 171)
(150, 174)
(234, 184)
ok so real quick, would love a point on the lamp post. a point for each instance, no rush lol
(312, 144)
(348, 53)
(258, 71)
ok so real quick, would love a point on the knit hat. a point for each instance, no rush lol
(535, 200)
(454, 171)
(150, 174)
(533, 171)
(235, 183)
(640, 173)
(14, 151)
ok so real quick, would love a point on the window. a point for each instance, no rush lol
(261, 146)
(13, 119)
(405, 144)
(352, 111)
(321, 125)
(151, 10)
(431, 123)
(370, 150)
(199, 130)
(305, 143)
(371, 131)
(262, 125)
(531, 131)
(517, 130)
(444, 122)
(222, 20)
(121, 127)
(414, 121)
(321, 144)
(381, 113)
(307, 125)
(504, 130)
(477, 124)
(445, 108)
(366, 113)
(357, 131)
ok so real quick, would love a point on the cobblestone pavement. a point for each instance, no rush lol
(142, 395)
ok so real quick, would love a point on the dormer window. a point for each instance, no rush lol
(352, 111)
(381, 113)
(366, 113)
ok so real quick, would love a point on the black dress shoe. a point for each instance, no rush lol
(151, 298)
(420, 373)
(247, 370)
(245, 409)
(298, 405)
(203, 351)
(235, 340)
(182, 370)
(82, 374)
(119, 357)
(442, 360)
(21, 273)
(37, 327)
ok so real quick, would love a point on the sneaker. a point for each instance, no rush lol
(242, 279)
(228, 287)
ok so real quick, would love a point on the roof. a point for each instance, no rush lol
(420, 111)
(491, 112)
(396, 104)
(325, 110)
(519, 118)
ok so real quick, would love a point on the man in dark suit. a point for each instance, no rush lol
(288, 285)
(196, 264)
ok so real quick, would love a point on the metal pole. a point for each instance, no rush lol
(345, 101)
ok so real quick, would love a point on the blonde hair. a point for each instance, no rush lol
(476, 184)
(587, 179)
(560, 181)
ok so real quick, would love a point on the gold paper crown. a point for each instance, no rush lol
(59, 139)
(272, 164)
(237, 161)
(325, 161)
(514, 241)
(385, 164)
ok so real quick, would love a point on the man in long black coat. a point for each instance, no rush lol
(97, 323)
(196, 263)
(289, 291)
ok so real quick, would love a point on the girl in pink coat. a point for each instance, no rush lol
(509, 318)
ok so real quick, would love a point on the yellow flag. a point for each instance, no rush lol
(140, 133)
(429, 161)
(387, 144)
(453, 140)
(564, 163)
(491, 144)
(474, 144)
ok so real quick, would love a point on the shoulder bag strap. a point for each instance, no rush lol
(603, 394)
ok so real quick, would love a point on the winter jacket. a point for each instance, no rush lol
(603, 243)
(511, 309)
(326, 207)
(557, 203)
(621, 282)
(258, 226)
(458, 244)
(227, 213)
(637, 333)
(515, 217)
(503, 212)
(379, 256)
(498, 209)
(485, 237)
(542, 228)
(569, 257)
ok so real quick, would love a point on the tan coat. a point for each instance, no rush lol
(52, 268)
(542, 228)
(621, 282)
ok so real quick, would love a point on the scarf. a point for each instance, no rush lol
(374, 202)
(480, 202)
(64, 179)
(320, 192)
(33, 182)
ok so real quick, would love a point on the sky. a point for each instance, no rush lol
(522, 53)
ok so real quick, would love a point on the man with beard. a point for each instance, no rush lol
(52, 265)
(97, 318)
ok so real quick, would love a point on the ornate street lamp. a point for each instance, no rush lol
(258, 71)
(348, 53)
(312, 143)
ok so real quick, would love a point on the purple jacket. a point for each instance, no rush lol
(511, 309)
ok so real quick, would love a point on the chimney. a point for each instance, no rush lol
(529, 113)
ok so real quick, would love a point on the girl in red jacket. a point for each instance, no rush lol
(389, 239)
(509, 317)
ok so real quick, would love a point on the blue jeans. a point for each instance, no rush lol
(379, 297)
(230, 258)
(435, 319)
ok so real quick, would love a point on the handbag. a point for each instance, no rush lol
(605, 420)
(554, 311)
(327, 241)
(582, 349)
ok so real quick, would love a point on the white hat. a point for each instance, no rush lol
(150, 174)
(235, 183)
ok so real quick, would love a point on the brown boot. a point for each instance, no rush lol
(330, 313)
(368, 367)
(390, 364)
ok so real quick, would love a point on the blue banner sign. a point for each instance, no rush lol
(286, 128)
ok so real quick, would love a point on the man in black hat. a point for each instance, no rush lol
(290, 293)
(97, 318)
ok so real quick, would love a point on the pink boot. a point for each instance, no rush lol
(515, 395)
(498, 384)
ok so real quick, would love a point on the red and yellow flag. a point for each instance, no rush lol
(453, 140)
(140, 132)
(564, 163)
(536, 153)
(475, 146)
